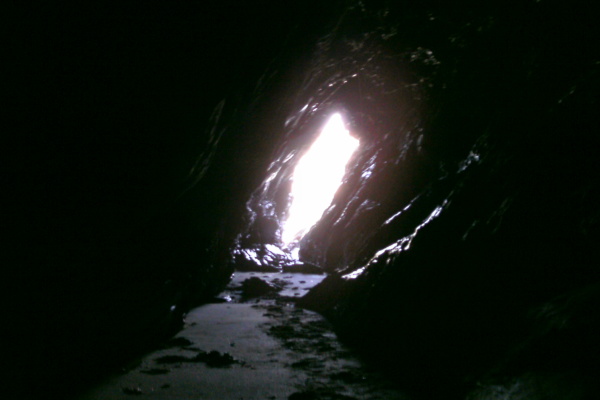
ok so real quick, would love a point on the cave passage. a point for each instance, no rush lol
(317, 177)
(259, 179)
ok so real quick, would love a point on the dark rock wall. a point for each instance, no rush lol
(463, 242)
(464, 234)
(136, 135)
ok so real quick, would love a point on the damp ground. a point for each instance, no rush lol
(253, 344)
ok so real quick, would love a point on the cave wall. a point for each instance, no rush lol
(462, 242)
(136, 135)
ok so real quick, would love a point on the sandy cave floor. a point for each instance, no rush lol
(249, 349)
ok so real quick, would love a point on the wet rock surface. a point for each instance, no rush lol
(290, 286)
(270, 258)
(303, 267)
(212, 359)
(253, 287)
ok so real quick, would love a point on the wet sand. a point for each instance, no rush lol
(251, 348)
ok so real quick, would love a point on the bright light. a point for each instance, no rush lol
(317, 177)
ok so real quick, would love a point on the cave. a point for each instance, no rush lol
(151, 156)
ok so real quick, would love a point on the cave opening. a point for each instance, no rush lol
(315, 157)
(316, 178)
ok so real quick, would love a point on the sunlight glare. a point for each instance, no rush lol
(317, 177)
